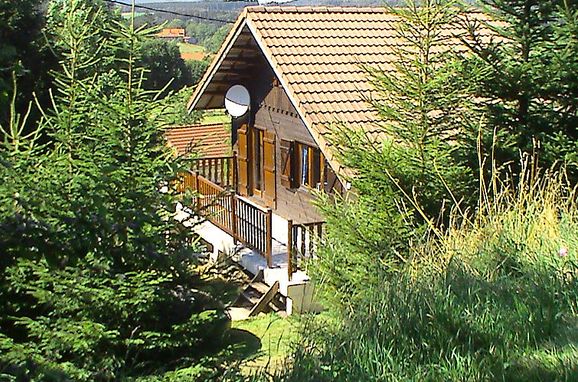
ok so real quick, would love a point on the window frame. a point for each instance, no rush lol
(316, 173)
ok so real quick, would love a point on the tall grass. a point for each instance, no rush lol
(495, 297)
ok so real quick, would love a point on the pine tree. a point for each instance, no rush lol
(530, 83)
(407, 170)
(97, 280)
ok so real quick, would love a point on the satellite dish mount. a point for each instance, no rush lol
(237, 101)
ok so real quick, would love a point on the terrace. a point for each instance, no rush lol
(259, 239)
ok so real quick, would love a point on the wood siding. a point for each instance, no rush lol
(273, 112)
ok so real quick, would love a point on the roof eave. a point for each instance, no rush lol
(217, 61)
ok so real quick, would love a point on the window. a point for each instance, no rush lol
(311, 166)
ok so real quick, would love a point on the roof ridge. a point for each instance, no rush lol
(335, 9)
(314, 9)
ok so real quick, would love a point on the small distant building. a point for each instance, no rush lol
(173, 34)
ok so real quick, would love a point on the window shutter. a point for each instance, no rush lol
(242, 160)
(296, 165)
(331, 181)
(286, 148)
(269, 167)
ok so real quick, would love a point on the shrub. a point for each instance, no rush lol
(494, 298)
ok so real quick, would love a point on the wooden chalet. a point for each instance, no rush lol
(304, 69)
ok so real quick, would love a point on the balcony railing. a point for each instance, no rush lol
(219, 170)
(214, 183)
(302, 242)
(244, 221)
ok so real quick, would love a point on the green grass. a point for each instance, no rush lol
(190, 48)
(264, 341)
(217, 116)
(490, 299)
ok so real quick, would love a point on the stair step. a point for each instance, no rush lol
(238, 313)
(265, 299)
(259, 287)
(252, 298)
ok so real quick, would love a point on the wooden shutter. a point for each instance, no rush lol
(331, 181)
(243, 160)
(296, 164)
(269, 167)
(287, 148)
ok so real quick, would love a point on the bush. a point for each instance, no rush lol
(495, 298)
(98, 281)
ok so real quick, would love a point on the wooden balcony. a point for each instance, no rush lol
(213, 182)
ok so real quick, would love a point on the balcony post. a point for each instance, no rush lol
(269, 237)
(233, 202)
(290, 249)
(198, 193)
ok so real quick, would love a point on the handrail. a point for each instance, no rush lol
(221, 170)
(246, 222)
(302, 240)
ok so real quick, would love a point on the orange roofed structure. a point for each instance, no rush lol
(173, 34)
(305, 69)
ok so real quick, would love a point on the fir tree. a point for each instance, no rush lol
(529, 89)
(97, 280)
(407, 170)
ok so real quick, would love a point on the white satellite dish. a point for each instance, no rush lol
(237, 100)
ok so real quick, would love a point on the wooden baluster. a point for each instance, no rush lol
(242, 217)
(234, 217)
(311, 230)
(251, 226)
(302, 230)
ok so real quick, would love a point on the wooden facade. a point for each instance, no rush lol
(272, 144)
(266, 141)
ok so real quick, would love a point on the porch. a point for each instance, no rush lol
(255, 236)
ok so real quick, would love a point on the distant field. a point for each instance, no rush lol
(215, 116)
(190, 48)
(127, 15)
(192, 51)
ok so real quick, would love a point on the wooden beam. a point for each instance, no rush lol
(265, 300)
(242, 59)
(230, 72)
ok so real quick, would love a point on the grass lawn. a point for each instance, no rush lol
(217, 116)
(265, 341)
(190, 48)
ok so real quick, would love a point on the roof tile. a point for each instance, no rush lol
(207, 140)
(319, 54)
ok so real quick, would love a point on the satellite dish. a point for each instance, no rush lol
(237, 100)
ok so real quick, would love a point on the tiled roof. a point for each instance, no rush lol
(206, 140)
(172, 33)
(319, 54)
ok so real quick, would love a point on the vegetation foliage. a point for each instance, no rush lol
(455, 257)
(97, 280)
